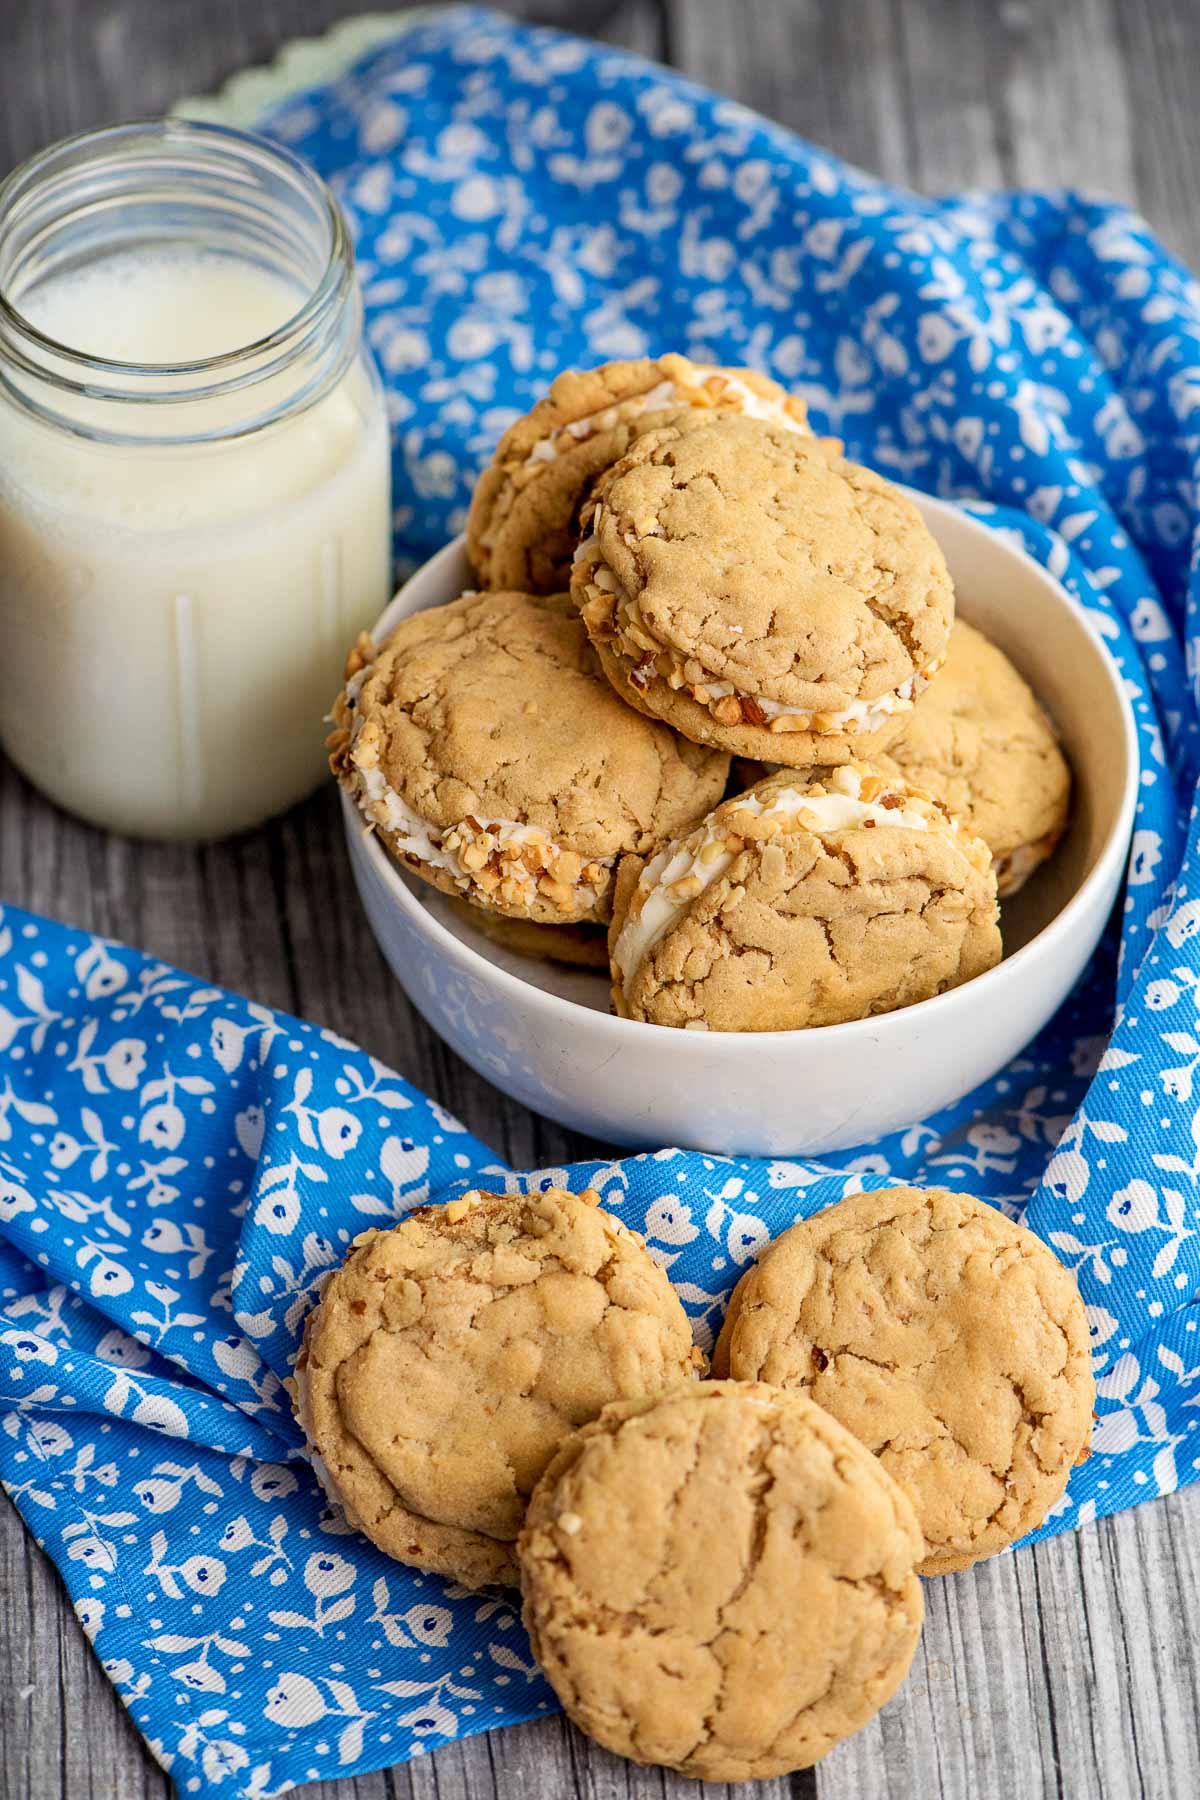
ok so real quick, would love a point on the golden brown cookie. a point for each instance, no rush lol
(720, 1581)
(804, 903)
(522, 526)
(577, 946)
(759, 592)
(979, 740)
(950, 1341)
(449, 1357)
(497, 763)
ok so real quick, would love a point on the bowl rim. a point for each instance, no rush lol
(699, 1043)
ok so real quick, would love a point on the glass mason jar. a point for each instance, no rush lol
(195, 502)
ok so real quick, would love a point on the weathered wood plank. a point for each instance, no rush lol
(1158, 47)
(830, 72)
(939, 94)
(1067, 1671)
(62, 1729)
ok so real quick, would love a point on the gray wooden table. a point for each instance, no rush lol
(1070, 1670)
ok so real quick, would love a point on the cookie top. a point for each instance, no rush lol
(449, 1356)
(950, 1341)
(720, 1581)
(804, 903)
(485, 745)
(760, 591)
(980, 741)
(522, 526)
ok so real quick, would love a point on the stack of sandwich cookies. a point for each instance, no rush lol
(748, 592)
(718, 1576)
(759, 592)
(484, 745)
(802, 903)
(449, 1357)
(522, 526)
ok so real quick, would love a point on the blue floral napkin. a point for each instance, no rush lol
(179, 1167)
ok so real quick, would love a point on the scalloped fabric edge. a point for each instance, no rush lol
(301, 63)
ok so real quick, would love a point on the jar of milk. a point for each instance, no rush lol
(194, 475)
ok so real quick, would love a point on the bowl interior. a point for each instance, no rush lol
(1014, 602)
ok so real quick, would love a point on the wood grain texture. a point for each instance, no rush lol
(1070, 1670)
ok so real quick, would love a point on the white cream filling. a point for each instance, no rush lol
(468, 849)
(859, 715)
(696, 860)
(413, 834)
(416, 837)
(665, 394)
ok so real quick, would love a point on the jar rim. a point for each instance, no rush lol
(278, 347)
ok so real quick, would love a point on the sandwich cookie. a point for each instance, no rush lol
(759, 592)
(804, 903)
(485, 746)
(981, 742)
(448, 1358)
(950, 1341)
(521, 529)
(577, 946)
(720, 1581)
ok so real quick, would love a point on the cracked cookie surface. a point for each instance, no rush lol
(980, 741)
(804, 903)
(759, 591)
(448, 1357)
(948, 1339)
(487, 748)
(720, 1581)
(522, 525)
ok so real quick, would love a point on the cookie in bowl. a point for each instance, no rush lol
(951, 1342)
(981, 741)
(574, 946)
(488, 751)
(521, 529)
(448, 1358)
(759, 592)
(803, 903)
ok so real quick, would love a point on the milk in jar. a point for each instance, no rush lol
(194, 506)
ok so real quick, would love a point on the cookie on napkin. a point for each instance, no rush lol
(720, 1581)
(949, 1340)
(449, 1357)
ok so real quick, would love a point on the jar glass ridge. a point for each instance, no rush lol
(165, 184)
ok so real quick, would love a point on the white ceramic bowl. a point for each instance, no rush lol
(544, 1034)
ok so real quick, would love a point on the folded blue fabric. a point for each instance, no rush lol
(179, 1167)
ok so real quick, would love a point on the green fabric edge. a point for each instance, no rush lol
(303, 63)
